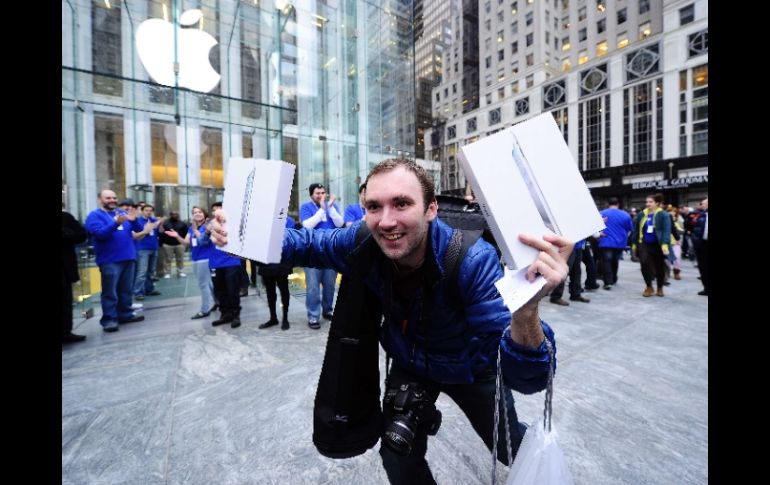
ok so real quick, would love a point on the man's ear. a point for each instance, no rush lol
(432, 211)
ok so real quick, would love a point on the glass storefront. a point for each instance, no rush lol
(326, 85)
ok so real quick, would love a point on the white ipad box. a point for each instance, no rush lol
(526, 181)
(256, 202)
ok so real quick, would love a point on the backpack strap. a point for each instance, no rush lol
(461, 241)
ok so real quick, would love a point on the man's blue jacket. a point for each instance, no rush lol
(447, 342)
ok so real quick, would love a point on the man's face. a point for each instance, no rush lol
(705, 204)
(147, 211)
(319, 194)
(108, 200)
(174, 216)
(396, 215)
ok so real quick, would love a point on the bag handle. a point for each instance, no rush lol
(500, 396)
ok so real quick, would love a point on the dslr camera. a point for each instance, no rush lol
(412, 408)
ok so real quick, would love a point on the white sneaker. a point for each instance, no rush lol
(182, 275)
(137, 306)
(165, 277)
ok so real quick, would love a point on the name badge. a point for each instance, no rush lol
(152, 233)
(194, 242)
(650, 229)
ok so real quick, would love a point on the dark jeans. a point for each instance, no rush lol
(282, 282)
(653, 263)
(476, 400)
(610, 258)
(245, 277)
(590, 261)
(117, 291)
(227, 282)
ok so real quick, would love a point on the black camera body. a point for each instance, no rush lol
(413, 407)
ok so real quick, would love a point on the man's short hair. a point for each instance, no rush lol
(362, 187)
(613, 201)
(215, 204)
(656, 197)
(148, 205)
(312, 188)
(428, 189)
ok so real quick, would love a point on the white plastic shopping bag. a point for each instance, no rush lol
(539, 460)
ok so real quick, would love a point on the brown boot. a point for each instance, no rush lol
(660, 291)
(226, 317)
(676, 274)
(648, 291)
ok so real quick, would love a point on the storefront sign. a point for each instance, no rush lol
(671, 183)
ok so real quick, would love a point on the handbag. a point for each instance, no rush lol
(539, 460)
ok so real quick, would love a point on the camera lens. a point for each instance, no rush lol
(399, 436)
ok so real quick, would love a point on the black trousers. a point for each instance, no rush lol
(227, 288)
(476, 400)
(653, 263)
(702, 254)
(282, 282)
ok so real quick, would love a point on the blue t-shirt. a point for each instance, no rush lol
(354, 212)
(112, 243)
(618, 224)
(201, 247)
(649, 230)
(150, 241)
(308, 210)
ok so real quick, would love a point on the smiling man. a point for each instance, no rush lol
(437, 343)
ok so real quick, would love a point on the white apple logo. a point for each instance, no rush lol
(155, 45)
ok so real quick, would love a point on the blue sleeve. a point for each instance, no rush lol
(100, 227)
(319, 248)
(523, 369)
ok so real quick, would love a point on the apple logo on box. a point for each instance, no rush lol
(155, 45)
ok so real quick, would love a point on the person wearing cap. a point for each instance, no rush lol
(111, 230)
(319, 214)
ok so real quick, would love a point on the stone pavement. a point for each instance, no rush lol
(172, 400)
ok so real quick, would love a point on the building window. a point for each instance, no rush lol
(530, 60)
(438, 96)
(530, 39)
(515, 87)
(514, 68)
(658, 119)
(488, 24)
(514, 8)
(565, 23)
(682, 113)
(560, 116)
(487, 44)
(554, 94)
(251, 80)
(547, 37)
(109, 162)
(494, 116)
(601, 26)
(644, 30)
(456, 67)
(488, 79)
(500, 36)
(700, 124)
(622, 40)
(451, 132)
(642, 63)
(583, 57)
(530, 81)
(528, 18)
(566, 64)
(514, 28)
(601, 48)
(487, 7)
(582, 34)
(500, 74)
(600, 7)
(686, 14)
(593, 133)
(644, 6)
(500, 16)
(593, 80)
(622, 16)
(212, 173)
(698, 43)
(500, 55)
(522, 106)
(470, 125)
(501, 93)
(581, 14)
(488, 61)
(565, 44)
(454, 88)
(514, 47)
(163, 142)
(488, 98)
(106, 49)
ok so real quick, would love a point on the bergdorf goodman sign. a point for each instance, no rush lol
(671, 183)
